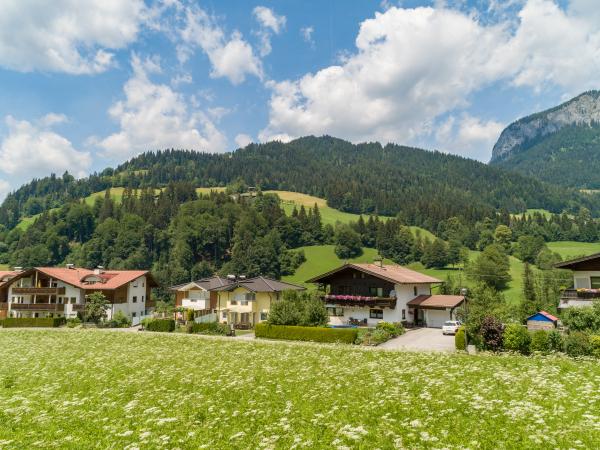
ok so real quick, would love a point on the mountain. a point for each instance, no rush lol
(560, 145)
(425, 187)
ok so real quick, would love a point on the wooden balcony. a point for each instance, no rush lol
(52, 307)
(78, 307)
(38, 291)
(359, 300)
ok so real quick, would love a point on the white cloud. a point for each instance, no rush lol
(153, 116)
(413, 66)
(307, 35)
(269, 23)
(181, 78)
(4, 189)
(71, 36)
(468, 136)
(241, 140)
(33, 149)
(230, 56)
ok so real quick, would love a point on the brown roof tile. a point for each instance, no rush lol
(436, 301)
(391, 272)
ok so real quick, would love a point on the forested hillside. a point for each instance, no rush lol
(423, 187)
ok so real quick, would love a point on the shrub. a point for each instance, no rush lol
(208, 328)
(460, 341)
(491, 333)
(556, 343)
(189, 315)
(304, 309)
(595, 344)
(577, 343)
(119, 320)
(372, 337)
(516, 338)
(164, 325)
(394, 329)
(583, 319)
(315, 334)
(540, 341)
(21, 322)
(72, 323)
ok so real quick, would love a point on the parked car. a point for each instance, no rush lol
(451, 327)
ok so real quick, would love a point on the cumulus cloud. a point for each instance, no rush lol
(72, 36)
(154, 116)
(230, 56)
(34, 149)
(413, 66)
(270, 23)
(241, 140)
(468, 136)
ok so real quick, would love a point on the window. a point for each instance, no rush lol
(73, 300)
(403, 314)
(264, 316)
(134, 299)
(376, 313)
(233, 302)
(244, 303)
(133, 314)
(595, 282)
(376, 291)
(135, 283)
(143, 299)
(224, 314)
(415, 290)
(335, 312)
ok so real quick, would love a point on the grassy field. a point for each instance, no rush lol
(4, 267)
(531, 212)
(571, 249)
(86, 389)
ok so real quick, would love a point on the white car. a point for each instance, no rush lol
(451, 327)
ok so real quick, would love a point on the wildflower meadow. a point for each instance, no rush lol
(101, 389)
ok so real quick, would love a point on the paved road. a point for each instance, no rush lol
(421, 339)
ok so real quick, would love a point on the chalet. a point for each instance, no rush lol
(586, 281)
(365, 294)
(62, 291)
(238, 301)
(5, 277)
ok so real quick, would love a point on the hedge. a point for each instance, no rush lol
(460, 339)
(315, 334)
(164, 325)
(208, 328)
(37, 322)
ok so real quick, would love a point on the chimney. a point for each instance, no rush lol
(231, 277)
(98, 270)
(18, 269)
(378, 261)
(70, 266)
(242, 277)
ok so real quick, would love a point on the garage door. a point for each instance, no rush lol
(436, 318)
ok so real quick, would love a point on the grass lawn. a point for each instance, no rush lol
(571, 249)
(531, 212)
(4, 267)
(98, 389)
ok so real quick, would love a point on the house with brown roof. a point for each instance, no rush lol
(5, 277)
(586, 281)
(366, 294)
(238, 301)
(62, 291)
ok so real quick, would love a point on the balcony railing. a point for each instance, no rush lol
(38, 290)
(580, 294)
(56, 307)
(359, 300)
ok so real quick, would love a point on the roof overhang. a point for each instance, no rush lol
(573, 263)
(365, 270)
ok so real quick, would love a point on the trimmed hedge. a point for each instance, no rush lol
(34, 322)
(595, 343)
(208, 328)
(314, 334)
(460, 339)
(164, 325)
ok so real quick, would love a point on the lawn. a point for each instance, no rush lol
(87, 389)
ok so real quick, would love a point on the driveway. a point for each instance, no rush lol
(421, 339)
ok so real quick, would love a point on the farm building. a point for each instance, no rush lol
(542, 321)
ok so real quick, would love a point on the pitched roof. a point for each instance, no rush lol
(572, 262)
(436, 301)
(207, 284)
(547, 315)
(110, 279)
(261, 284)
(7, 275)
(391, 272)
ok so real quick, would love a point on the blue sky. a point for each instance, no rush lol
(86, 84)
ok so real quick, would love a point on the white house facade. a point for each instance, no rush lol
(586, 282)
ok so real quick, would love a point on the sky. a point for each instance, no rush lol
(87, 84)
